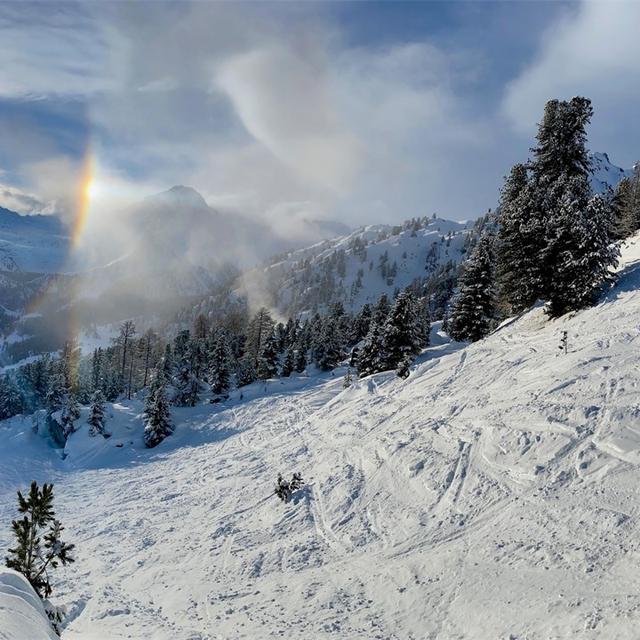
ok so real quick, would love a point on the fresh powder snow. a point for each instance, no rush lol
(492, 494)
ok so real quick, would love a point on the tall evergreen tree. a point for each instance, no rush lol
(11, 400)
(520, 241)
(371, 356)
(581, 236)
(574, 265)
(96, 369)
(268, 358)
(288, 363)
(628, 204)
(246, 371)
(220, 365)
(70, 412)
(360, 324)
(124, 339)
(547, 215)
(402, 333)
(97, 416)
(473, 308)
(328, 347)
(301, 357)
(157, 414)
(561, 149)
(259, 330)
(185, 382)
(381, 310)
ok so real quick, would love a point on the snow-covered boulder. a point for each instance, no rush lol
(22, 614)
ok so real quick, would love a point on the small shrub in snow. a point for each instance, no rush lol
(564, 343)
(39, 547)
(286, 488)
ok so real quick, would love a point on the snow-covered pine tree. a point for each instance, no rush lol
(69, 413)
(578, 251)
(69, 361)
(627, 200)
(149, 346)
(328, 348)
(587, 256)
(30, 556)
(96, 369)
(123, 342)
(55, 393)
(186, 384)
(280, 332)
(371, 357)
(11, 400)
(520, 240)
(360, 324)
(291, 332)
(288, 362)
(157, 414)
(562, 140)
(245, 371)
(381, 310)
(111, 383)
(260, 328)
(402, 333)
(220, 365)
(97, 416)
(473, 308)
(166, 366)
(268, 358)
(301, 357)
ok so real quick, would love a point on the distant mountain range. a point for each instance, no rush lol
(174, 247)
(177, 253)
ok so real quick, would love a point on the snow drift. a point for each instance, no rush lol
(22, 616)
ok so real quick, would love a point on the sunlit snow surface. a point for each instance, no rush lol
(493, 494)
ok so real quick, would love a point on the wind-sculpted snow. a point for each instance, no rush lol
(493, 494)
(22, 615)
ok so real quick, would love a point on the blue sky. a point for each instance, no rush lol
(365, 111)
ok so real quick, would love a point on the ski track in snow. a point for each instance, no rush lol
(493, 494)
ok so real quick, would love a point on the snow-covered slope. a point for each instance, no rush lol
(353, 269)
(493, 494)
(22, 616)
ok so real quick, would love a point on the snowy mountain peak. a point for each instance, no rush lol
(182, 196)
(604, 174)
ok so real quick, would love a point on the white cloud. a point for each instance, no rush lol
(22, 201)
(593, 51)
(283, 97)
(61, 51)
(260, 107)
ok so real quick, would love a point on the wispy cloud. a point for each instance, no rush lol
(278, 110)
(592, 51)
